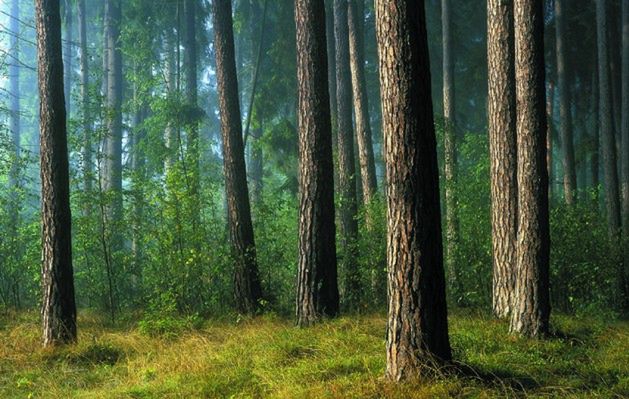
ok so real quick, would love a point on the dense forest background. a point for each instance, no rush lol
(203, 180)
(157, 255)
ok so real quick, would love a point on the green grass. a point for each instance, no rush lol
(269, 357)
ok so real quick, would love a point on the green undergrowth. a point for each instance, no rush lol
(268, 356)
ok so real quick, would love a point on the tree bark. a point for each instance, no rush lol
(608, 143)
(417, 327)
(247, 289)
(625, 149)
(550, 111)
(531, 303)
(449, 150)
(190, 67)
(317, 287)
(256, 155)
(565, 102)
(361, 103)
(503, 152)
(331, 54)
(69, 46)
(85, 104)
(58, 306)
(594, 158)
(112, 170)
(347, 167)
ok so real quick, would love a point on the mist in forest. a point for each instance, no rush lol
(393, 177)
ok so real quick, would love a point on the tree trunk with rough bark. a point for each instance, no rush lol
(68, 51)
(331, 55)
(625, 149)
(346, 165)
(531, 301)
(361, 103)
(565, 102)
(417, 327)
(503, 152)
(606, 128)
(247, 288)
(317, 287)
(58, 305)
(450, 163)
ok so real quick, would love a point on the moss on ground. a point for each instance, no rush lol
(269, 357)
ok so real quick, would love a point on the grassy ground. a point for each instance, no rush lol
(269, 357)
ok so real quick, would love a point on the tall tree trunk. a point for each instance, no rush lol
(58, 306)
(14, 208)
(138, 163)
(503, 152)
(450, 150)
(256, 155)
(565, 102)
(112, 170)
(68, 52)
(580, 116)
(170, 133)
(256, 162)
(247, 287)
(625, 148)
(85, 104)
(608, 143)
(331, 55)
(361, 102)
(550, 111)
(347, 167)
(105, 54)
(14, 115)
(614, 51)
(531, 302)
(417, 328)
(595, 140)
(317, 287)
(190, 66)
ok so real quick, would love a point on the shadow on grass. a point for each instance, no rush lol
(502, 379)
(94, 355)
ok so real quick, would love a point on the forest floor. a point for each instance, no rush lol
(269, 357)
